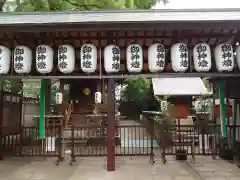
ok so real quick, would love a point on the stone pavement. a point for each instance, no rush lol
(127, 168)
(209, 169)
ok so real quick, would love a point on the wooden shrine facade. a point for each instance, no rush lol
(122, 28)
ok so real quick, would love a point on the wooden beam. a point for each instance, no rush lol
(182, 36)
(128, 75)
(111, 126)
(119, 26)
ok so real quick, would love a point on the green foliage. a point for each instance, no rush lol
(137, 96)
(2, 2)
(137, 89)
(147, 4)
(81, 5)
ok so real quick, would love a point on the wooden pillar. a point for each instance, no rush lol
(61, 109)
(214, 138)
(1, 118)
(111, 126)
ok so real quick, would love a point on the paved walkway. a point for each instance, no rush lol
(218, 169)
(129, 168)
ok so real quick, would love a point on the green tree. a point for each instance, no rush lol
(137, 96)
(76, 5)
(137, 89)
(2, 2)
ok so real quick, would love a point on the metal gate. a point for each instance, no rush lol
(130, 140)
(10, 121)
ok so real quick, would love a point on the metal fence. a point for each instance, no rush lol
(76, 141)
(92, 141)
(130, 140)
(190, 139)
(27, 142)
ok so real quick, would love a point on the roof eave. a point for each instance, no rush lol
(121, 16)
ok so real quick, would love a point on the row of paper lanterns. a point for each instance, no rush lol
(22, 56)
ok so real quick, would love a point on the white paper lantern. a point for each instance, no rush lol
(5, 59)
(156, 58)
(44, 59)
(134, 55)
(22, 59)
(112, 58)
(224, 57)
(58, 98)
(98, 97)
(202, 57)
(66, 58)
(179, 56)
(238, 56)
(88, 58)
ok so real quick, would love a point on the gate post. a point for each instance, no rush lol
(111, 126)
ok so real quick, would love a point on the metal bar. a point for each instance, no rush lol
(152, 155)
(73, 157)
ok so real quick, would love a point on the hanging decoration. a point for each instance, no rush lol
(88, 58)
(224, 57)
(66, 59)
(86, 91)
(5, 59)
(98, 97)
(44, 59)
(58, 98)
(202, 57)
(112, 58)
(134, 55)
(179, 56)
(156, 58)
(22, 59)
